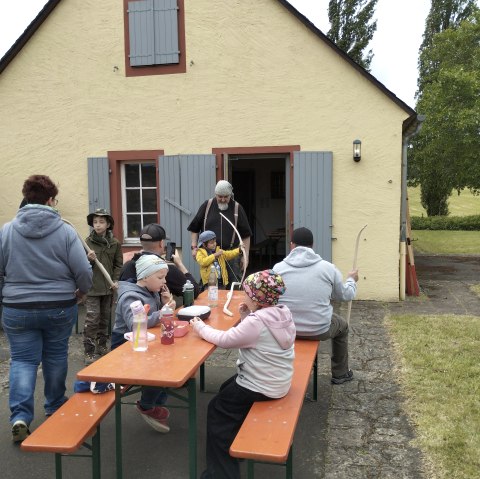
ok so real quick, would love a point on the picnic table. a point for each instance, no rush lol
(173, 366)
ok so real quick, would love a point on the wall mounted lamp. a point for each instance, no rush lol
(357, 150)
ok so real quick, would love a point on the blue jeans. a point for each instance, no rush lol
(37, 336)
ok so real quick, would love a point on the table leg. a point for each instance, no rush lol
(192, 426)
(202, 377)
(118, 430)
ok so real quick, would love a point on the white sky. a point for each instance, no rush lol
(395, 45)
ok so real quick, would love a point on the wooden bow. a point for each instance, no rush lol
(245, 260)
(354, 267)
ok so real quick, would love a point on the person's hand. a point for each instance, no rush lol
(196, 323)
(218, 253)
(80, 296)
(167, 298)
(353, 274)
(244, 262)
(243, 310)
(114, 285)
(194, 252)
(195, 320)
(92, 256)
(177, 261)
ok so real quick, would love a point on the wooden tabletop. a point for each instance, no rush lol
(163, 365)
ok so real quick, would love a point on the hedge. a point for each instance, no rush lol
(453, 223)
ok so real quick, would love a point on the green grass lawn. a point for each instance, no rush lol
(464, 204)
(440, 374)
(446, 242)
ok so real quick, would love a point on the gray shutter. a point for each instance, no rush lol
(166, 32)
(312, 197)
(98, 184)
(141, 32)
(186, 181)
(153, 32)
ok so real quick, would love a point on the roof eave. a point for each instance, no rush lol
(27, 34)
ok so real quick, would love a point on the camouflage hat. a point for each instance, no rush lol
(100, 212)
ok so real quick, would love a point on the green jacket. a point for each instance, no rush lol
(109, 252)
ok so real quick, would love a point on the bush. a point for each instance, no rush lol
(452, 223)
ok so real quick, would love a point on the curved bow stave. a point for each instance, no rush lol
(245, 259)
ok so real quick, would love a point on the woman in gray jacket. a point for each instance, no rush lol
(44, 272)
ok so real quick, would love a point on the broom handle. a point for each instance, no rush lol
(89, 250)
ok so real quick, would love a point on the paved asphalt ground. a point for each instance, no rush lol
(356, 430)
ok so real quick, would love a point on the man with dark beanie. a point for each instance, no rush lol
(311, 282)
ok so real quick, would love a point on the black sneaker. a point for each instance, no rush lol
(348, 376)
(20, 431)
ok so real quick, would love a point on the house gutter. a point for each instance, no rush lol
(411, 128)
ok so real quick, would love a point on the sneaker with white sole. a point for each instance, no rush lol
(20, 431)
(155, 417)
(348, 376)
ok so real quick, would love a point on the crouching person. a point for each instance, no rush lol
(265, 338)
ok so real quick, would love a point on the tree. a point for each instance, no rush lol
(443, 14)
(351, 28)
(445, 152)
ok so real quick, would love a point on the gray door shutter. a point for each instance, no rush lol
(98, 184)
(312, 197)
(186, 181)
(153, 32)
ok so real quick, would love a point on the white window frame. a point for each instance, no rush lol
(130, 239)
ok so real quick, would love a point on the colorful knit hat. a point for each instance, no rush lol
(264, 287)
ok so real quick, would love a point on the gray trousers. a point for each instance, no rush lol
(99, 314)
(338, 333)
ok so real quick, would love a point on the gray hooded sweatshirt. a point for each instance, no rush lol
(311, 282)
(127, 294)
(42, 260)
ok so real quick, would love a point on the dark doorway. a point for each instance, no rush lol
(243, 183)
(259, 186)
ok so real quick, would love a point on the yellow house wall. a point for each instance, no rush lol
(256, 76)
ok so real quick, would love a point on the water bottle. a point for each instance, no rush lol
(167, 325)
(139, 331)
(188, 293)
(212, 287)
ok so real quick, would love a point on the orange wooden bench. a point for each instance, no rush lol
(68, 428)
(267, 432)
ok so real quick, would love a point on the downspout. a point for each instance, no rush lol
(413, 130)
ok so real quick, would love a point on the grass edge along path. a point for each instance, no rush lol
(439, 373)
(446, 242)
